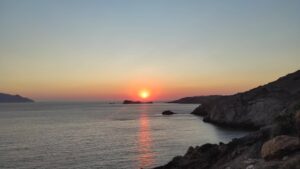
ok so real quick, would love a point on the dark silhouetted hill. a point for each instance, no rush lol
(7, 98)
(196, 99)
(254, 108)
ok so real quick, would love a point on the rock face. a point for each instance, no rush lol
(242, 153)
(7, 98)
(217, 156)
(279, 146)
(135, 102)
(167, 112)
(255, 108)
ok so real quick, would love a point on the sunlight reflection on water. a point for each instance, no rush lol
(146, 155)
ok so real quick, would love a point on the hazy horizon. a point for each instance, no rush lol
(111, 50)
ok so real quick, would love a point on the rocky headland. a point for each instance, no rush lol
(7, 98)
(251, 109)
(273, 110)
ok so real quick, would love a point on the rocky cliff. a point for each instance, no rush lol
(254, 108)
(7, 98)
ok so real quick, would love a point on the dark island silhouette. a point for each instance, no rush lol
(272, 110)
(135, 102)
(7, 98)
(167, 112)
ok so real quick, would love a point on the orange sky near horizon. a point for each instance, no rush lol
(159, 88)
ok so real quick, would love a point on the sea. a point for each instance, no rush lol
(50, 135)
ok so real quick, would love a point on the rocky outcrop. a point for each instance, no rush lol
(279, 146)
(255, 108)
(242, 153)
(167, 112)
(7, 98)
(218, 156)
(135, 102)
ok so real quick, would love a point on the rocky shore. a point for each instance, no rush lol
(273, 110)
(243, 153)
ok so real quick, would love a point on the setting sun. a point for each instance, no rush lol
(144, 94)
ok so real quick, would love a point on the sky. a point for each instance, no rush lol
(113, 49)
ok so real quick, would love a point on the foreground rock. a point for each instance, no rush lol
(243, 153)
(7, 98)
(255, 108)
(167, 112)
(135, 102)
(279, 146)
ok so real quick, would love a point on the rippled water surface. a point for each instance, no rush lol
(98, 135)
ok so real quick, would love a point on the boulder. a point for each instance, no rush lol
(279, 146)
(167, 112)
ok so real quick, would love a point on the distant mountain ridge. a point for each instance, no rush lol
(7, 98)
(196, 99)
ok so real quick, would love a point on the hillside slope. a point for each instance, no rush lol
(254, 108)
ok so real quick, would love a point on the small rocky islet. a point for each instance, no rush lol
(136, 102)
(272, 110)
(167, 113)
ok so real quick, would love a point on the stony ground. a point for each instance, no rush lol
(243, 153)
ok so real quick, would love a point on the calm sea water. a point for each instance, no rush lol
(98, 135)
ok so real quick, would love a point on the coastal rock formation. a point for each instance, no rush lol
(135, 102)
(279, 146)
(167, 112)
(242, 153)
(255, 108)
(216, 155)
(272, 109)
(7, 98)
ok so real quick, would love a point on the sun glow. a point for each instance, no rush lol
(144, 94)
